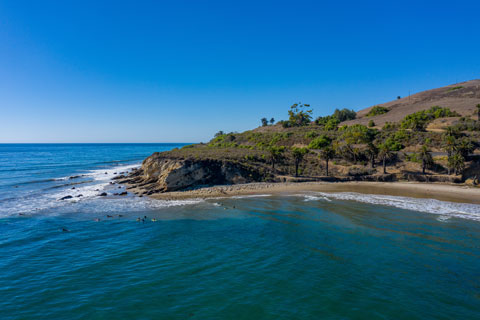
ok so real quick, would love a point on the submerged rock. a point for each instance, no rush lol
(66, 197)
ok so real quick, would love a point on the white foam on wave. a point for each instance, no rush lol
(49, 203)
(445, 209)
(312, 197)
(251, 196)
(108, 174)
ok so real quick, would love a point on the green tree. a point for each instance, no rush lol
(275, 155)
(272, 121)
(320, 142)
(299, 115)
(352, 136)
(456, 162)
(385, 152)
(449, 147)
(372, 151)
(465, 147)
(327, 153)
(298, 155)
(425, 155)
(219, 133)
(344, 114)
(371, 124)
(478, 112)
(264, 122)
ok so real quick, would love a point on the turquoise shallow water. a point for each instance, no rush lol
(303, 256)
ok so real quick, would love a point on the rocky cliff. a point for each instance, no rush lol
(160, 173)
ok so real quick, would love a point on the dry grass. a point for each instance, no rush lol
(462, 100)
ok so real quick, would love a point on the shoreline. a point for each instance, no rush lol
(438, 191)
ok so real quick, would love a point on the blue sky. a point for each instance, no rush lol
(178, 71)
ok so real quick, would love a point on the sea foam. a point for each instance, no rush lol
(85, 197)
(445, 209)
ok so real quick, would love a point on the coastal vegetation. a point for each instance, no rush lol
(302, 147)
(336, 147)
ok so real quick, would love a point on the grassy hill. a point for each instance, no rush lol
(461, 98)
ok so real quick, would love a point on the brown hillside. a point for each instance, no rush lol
(460, 97)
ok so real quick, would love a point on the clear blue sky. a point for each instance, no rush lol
(173, 71)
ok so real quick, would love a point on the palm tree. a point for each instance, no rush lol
(327, 153)
(465, 147)
(457, 162)
(272, 121)
(451, 131)
(449, 145)
(372, 152)
(264, 122)
(276, 155)
(298, 154)
(385, 152)
(426, 157)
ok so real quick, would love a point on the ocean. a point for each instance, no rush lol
(304, 255)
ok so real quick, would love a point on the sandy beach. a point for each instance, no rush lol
(444, 192)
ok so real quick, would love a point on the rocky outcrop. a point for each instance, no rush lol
(163, 174)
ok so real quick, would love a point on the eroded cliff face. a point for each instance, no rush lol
(162, 174)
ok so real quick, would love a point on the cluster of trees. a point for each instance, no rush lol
(265, 121)
(458, 148)
(276, 155)
(301, 115)
(331, 122)
(359, 141)
(364, 143)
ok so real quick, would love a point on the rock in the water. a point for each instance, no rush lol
(124, 193)
(66, 197)
(103, 194)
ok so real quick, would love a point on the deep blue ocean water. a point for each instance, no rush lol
(293, 256)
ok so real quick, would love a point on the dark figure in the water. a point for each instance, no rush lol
(65, 230)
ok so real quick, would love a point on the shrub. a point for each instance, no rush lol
(356, 171)
(371, 123)
(390, 126)
(465, 124)
(344, 114)
(419, 120)
(455, 88)
(377, 110)
(311, 134)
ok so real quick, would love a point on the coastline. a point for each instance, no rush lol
(438, 191)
